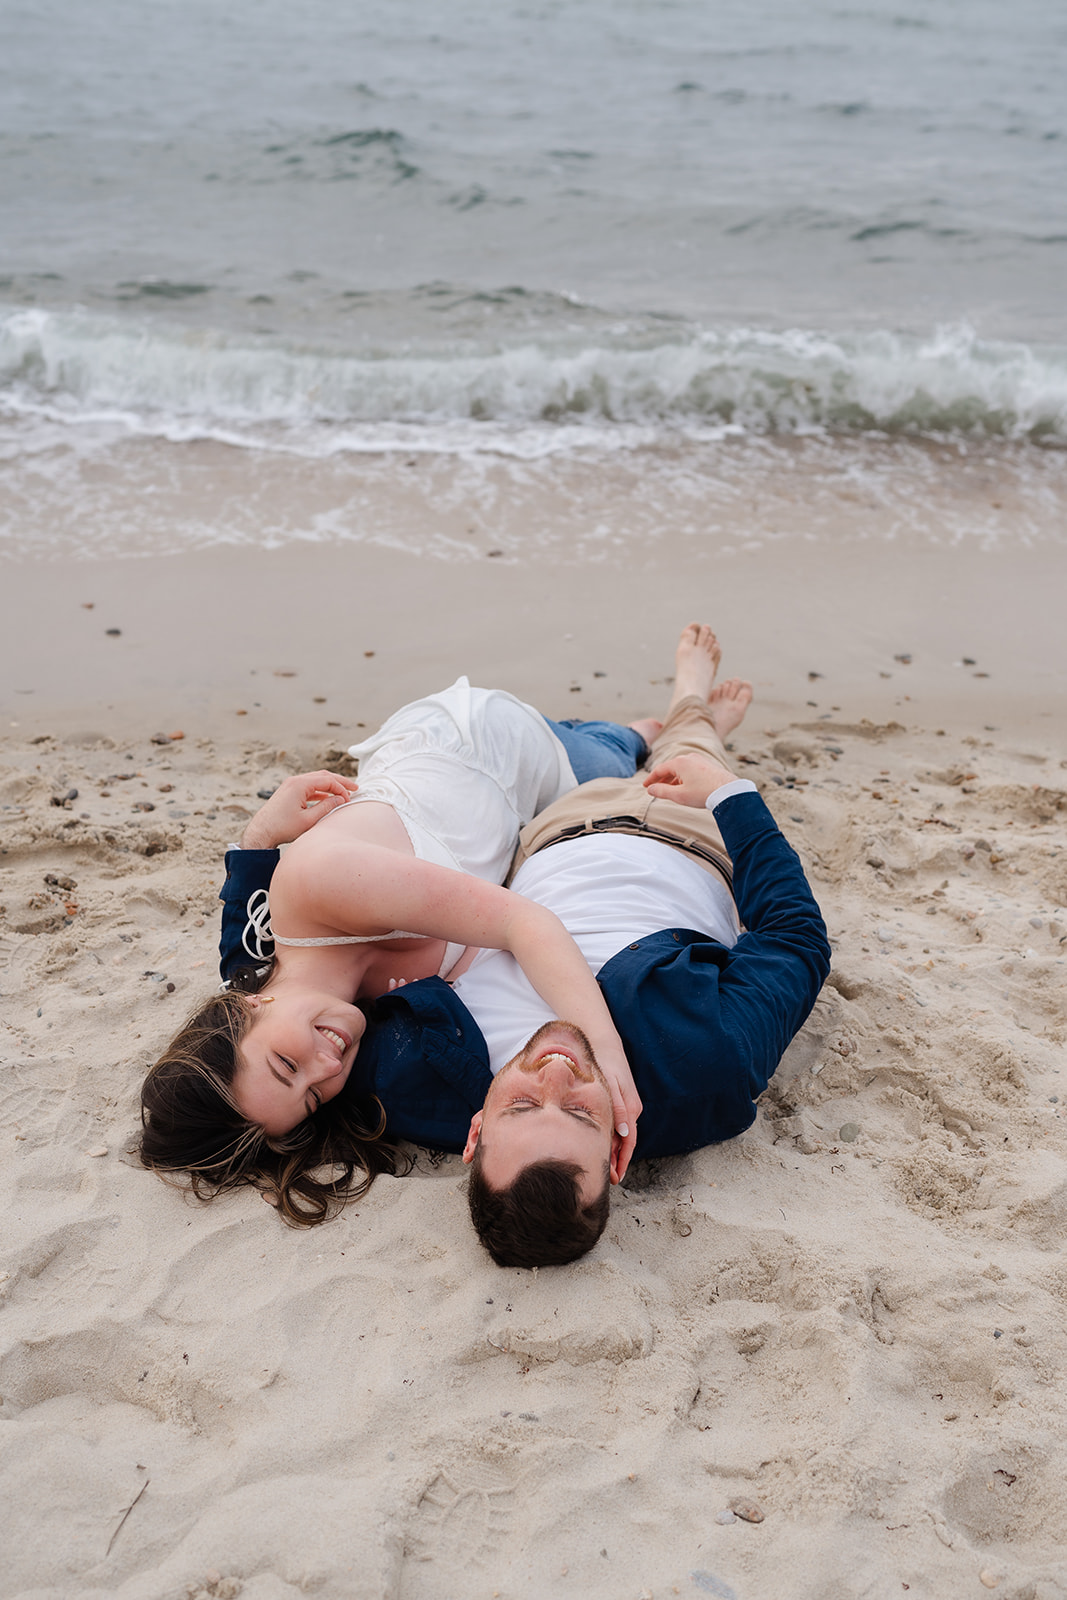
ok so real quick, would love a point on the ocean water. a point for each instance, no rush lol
(522, 231)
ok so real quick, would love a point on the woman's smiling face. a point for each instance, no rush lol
(295, 1055)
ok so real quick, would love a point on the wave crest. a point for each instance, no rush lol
(82, 366)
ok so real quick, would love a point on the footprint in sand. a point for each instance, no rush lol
(461, 1520)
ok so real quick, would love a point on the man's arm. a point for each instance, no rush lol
(245, 938)
(705, 1026)
(780, 962)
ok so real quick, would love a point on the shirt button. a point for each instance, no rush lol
(635, 947)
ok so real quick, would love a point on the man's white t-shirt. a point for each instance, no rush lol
(608, 890)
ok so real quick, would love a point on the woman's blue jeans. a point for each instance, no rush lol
(600, 749)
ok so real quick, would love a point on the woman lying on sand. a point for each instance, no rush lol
(396, 881)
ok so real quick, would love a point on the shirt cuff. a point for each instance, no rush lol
(738, 786)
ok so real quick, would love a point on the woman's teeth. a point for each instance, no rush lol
(335, 1038)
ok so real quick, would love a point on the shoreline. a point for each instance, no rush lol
(311, 641)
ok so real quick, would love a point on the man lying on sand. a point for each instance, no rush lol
(654, 878)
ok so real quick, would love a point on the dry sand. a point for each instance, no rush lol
(852, 1317)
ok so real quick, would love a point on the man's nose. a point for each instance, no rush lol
(556, 1076)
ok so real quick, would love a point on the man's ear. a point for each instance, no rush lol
(613, 1160)
(472, 1138)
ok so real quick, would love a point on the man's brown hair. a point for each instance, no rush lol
(539, 1219)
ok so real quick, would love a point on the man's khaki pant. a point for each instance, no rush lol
(624, 805)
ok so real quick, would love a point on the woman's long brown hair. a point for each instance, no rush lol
(194, 1134)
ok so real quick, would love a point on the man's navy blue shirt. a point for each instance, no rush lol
(703, 1026)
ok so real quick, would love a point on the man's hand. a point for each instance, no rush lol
(294, 807)
(688, 779)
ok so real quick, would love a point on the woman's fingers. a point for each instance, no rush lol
(623, 1143)
(626, 1108)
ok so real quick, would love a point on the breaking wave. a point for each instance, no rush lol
(78, 366)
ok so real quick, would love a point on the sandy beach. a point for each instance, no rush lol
(820, 1361)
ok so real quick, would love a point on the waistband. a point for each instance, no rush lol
(709, 858)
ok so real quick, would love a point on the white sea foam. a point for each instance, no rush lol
(525, 398)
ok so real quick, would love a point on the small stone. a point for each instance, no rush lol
(492, 553)
(849, 1132)
(988, 1578)
(1037, 922)
(969, 661)
(160, 738)
(725, 1517)
(905, 659)
(886, 935)
(747, 1510)
(283, 672)
(113, 633)
(318, 699)
(264, 794)
(97, 1150)
(179, 733)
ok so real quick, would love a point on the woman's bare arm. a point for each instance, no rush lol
(346, 886)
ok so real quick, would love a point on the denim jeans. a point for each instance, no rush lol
(600, 749)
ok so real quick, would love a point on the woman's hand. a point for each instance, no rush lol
(626, 1108)
(294, 807)
(688, 779)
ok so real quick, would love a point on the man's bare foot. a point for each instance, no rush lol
(648, 728)
(696, 661)
(728, 703)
